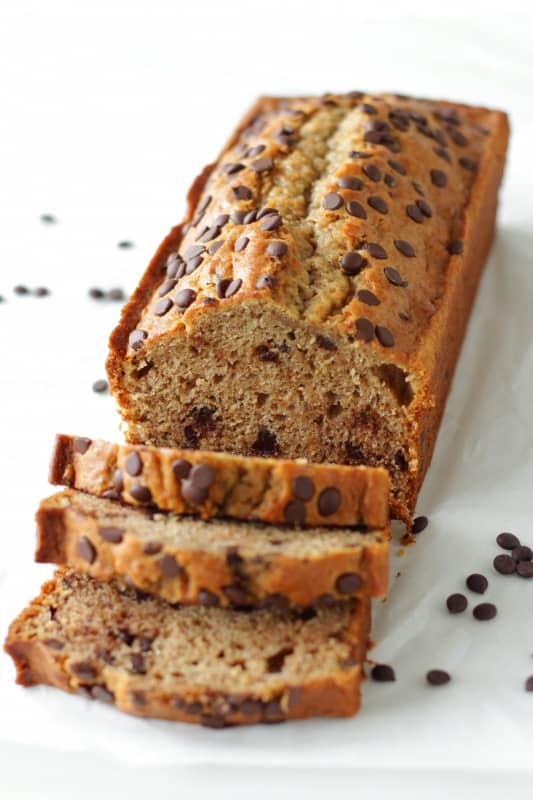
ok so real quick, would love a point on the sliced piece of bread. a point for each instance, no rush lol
(209, 665)
(218, 562)
(221, 485)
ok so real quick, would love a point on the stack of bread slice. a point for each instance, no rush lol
(205, 587)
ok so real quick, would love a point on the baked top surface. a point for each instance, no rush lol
(354, 207)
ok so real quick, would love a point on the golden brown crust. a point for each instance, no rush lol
(243, 487)
(41, 660)
(441, 286)
(218, 568)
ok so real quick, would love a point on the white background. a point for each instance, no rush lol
(107, 111)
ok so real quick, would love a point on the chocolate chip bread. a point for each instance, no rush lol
(211, 563)
(213, 666)
(314, 300)
(217, 484)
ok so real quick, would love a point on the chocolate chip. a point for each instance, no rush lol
(419, 524)
(180, 468)
(394, 277)
(54, 644)
(303, 487)
(477, 583)
(126, 636)
(252, 152)
(325, 343)
(355, 209)
(212, 249)
(378, 204)
(136, 339)
(210, 233)
(404, 316)
(372, 172)
(184, 298)
(525, 569)
(169, 566)
(375, 250)
(191, 493)
(397, 167)
(270, 222)
(382, 673)
(250, 707)
(507, 540)
(81, 444)
(241, 243)
(86, 550)
(265, 212)
(277, 249)
(274, 600)
(529, 684)
(437, 677)
(522, 553)
(101, 693)
(167, 286)
(208, 599)
(367, 297)
(111, 534)
(48, 219)
(455, 248)
(415, 213)
(193, 265)
(384, 336)
(262, 164)
(138, 698)
(295, 512)
(138, 666)
(405, 248)
(438, 178)
(266, 443)
(152, 548)
(272, 710)
(348, 583)
(125, 244)
(238, 216)
(457, 137)
(95, 293)
(202, 475)
(21, 290)
(242, 192)
(111, 494)
(133, 464)
(140, 493)
(365, 329)
(352, 263)
(236, 595)
(390, 180)
(265, 282)
(504, 564)
(425, 208)
(359, 154)
(485, 611)
(83, 670)
(329, 501)
(332, 201)
(233, 287)
(41, 291)
(231, 168)
(193, 251)
(100, 386)
(456, 603)
(468, 163)
(118, 481)
(441, 152)
(349, 182)
(366, 108)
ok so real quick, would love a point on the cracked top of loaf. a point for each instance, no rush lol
(344, 211)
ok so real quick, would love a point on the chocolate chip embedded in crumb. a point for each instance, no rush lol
(456, 603)
(378, 204)
(375, 250)
(208, 599)
(102, 694)
(100, 386)
(295, 512)
(137, 697)
(424, 207)
(332, 201)
(468, 164)
(83, 670)
(236, 595)
(507, 540)
(233, 287)
(329, 501)
(525, 569)
(252, 152)
(355, 209)
(419, 524)
(438, 178)
(350, 182)
(277, 249)
(405, 248)
(212, 249)
(372, 172)
(54, 644)
(485, 611)
(81, 444)
(359, 154)
(249, 217)
(367, 108)
(384, 336)
(241, 243)
(414, 212)
(152, 548)
(394, 277)
(275, 600)
(242, 192)
(270, 222)
(455, 248)
(477, 583)
(180, 468)
(348, 583)
(166, 286)
(169, 566)
(365, 329)
(397, 167)
(138, 665)
(191, 493)
(352, 263)
(202, 475)
(438, 677)
(136, 339)
(504, 564)
(382, 673)
(367, 297)
(262, 164)
(325, 343)
(140, 493)
(184, 298)
(133, 464)
(111, 534)
(303, 487)
(231, 168)
(86, 549)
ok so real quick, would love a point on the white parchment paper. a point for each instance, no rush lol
(102, 147)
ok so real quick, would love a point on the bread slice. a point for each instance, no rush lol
(219, 562)
(222, 485)
(214, 666)
(314, 299)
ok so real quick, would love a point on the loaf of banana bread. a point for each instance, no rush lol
(209, 665)
(313, 301)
